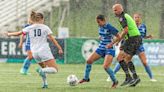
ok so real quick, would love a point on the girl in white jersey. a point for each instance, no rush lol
(38, 33)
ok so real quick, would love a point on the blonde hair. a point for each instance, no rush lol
(138, 14)
(36, 16)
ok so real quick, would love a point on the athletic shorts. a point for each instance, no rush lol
(42, 56)
(141, 49)
(27, 47)
(105, 52)
(131, 45)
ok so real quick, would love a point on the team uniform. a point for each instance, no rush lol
(143, 31)
(131, 44)
(132, 40)
(27, 61)
(27, 42)
(38, 42)
(106, 34)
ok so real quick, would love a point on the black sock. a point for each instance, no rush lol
(125, 68)
(132, 69)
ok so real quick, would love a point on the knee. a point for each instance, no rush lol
(119, 58)
(89, 61)
(30, 57)
(144, 63)
(105, 66)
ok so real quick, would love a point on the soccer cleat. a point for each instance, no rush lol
(127, 81)
(84, 80)
(114, 85)
(45, 86)
(153, 80)
(23, 72)
(134, 82)
(108, 79)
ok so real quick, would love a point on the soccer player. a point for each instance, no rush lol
(106, 32)
(38, 33)
(129, 47)
(27, 61)
(141, 50)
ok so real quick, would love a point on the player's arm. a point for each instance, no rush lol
(145, 35)
(14, 33)
(117, 38)
(21, 41)
(55, 43)
(148, 37)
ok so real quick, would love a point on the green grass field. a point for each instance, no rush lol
(12, 81)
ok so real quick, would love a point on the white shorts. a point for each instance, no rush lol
(42, 56)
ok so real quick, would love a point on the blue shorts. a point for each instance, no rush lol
(27, 47)
(105, 52)
(141, 49)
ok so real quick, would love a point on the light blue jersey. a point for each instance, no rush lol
(27, 42)
(106, 34)
(142, 29)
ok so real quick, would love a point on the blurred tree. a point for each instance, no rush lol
(105, 7)
(162, 21)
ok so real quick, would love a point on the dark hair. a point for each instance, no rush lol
(101, 17)
(36, 16)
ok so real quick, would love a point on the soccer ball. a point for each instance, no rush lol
(72, 80)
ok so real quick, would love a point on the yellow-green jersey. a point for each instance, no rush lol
(127, 21)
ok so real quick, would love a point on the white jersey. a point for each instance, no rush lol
(38, 34)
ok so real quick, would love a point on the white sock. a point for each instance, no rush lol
(49, 70)
(44, 80)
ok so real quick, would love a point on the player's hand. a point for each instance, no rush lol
(117, 43)
(110, 45)
(60, 51)
(150, 36)
(100, 38)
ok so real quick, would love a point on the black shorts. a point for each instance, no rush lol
(131, 45)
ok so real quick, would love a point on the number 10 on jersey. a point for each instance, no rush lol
(37, 32)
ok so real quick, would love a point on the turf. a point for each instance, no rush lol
(12, 81)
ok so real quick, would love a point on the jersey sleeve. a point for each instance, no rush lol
(112, 29)
(49, 31)
(25, 30)
(123, 21)
(145, 30)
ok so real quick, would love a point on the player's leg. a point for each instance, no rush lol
(88, 67)
(117, 66)
(143, 59)
(119, 58)
(107, 63)
(43, 75)
(51, 67)
(26, 63)
(124, 67)
(132, 47)
(47, 67)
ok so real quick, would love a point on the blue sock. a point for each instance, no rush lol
(87, 71)
(117, 68)
(111, 74)
(148, 70)
(26, 65)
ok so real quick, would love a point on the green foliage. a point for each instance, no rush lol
(82, 13)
